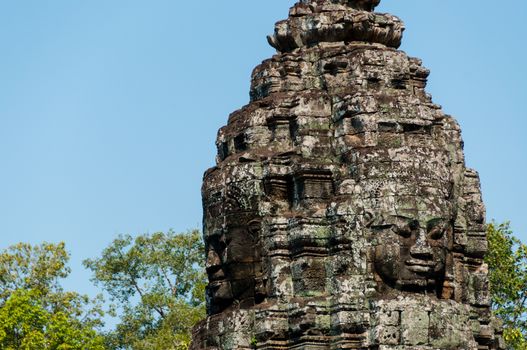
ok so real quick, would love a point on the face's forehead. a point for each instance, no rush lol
(418, 187)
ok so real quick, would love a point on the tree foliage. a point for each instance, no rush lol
(507, 260)
(157, 282)
(35, 312)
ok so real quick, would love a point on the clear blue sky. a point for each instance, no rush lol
(109, 109)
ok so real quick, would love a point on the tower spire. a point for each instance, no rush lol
(365, 5)
(312, 22)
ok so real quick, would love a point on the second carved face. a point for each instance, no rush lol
(411, 253)
(233, 263)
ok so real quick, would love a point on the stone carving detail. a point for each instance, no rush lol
(340, 214)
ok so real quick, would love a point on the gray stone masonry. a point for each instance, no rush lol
(340, 214)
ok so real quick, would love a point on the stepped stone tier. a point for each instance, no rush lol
(340, 214)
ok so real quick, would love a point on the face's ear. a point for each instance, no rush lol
(468, 210)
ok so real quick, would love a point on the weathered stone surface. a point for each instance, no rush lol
(340, 214)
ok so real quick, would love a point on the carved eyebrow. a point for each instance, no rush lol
(403, 217)
(381, 226)
(393, 220)
(407, 220)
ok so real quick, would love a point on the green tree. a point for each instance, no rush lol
(507, 260)
(35, 312)
(157, 282)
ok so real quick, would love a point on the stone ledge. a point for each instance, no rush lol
(337, 23)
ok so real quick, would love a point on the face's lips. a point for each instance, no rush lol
(216, 283)
(420, 262)
(420, 266)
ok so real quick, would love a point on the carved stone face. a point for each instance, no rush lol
(232, 234)
(232, 264)
(411, 202)
(412, 253)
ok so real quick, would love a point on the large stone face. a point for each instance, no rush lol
(340, 214)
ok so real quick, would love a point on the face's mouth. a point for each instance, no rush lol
(420, 266)
(215, 284)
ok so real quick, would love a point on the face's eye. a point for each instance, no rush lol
(407, 228)
(413, 225)
(403, 231)
(217, 243)
(437, 233)
(436, 229)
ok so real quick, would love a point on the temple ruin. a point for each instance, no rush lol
(340, 214)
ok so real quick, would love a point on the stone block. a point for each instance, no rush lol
(414, 326)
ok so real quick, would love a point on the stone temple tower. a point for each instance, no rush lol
(340, 214)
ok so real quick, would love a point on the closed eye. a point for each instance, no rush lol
(404, 231)
(436, 228)
(381, 227)
(437, 233)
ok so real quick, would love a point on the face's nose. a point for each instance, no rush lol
(213, 260)
(213, 266)
(421, 249)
